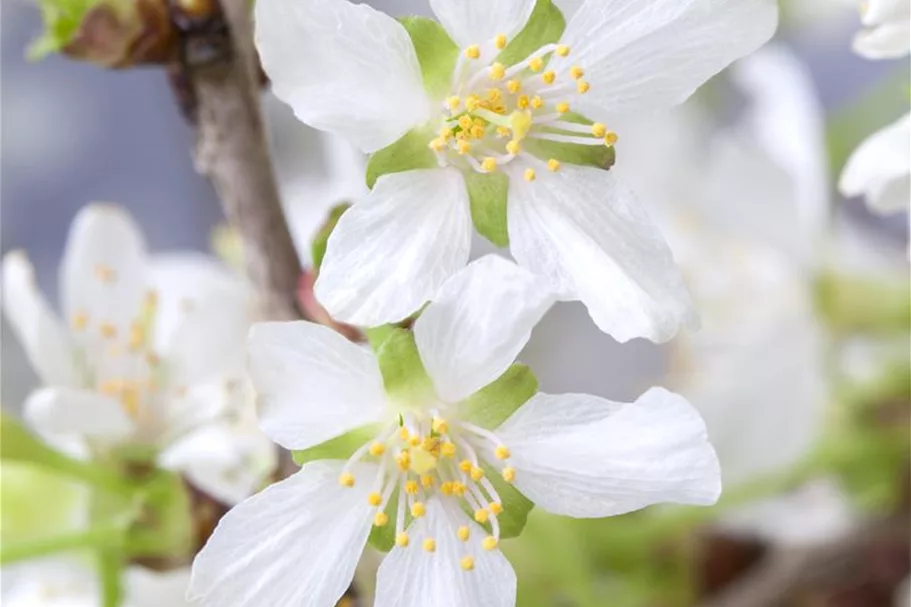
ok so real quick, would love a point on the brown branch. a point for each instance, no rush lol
(232, 152)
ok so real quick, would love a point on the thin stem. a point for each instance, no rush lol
(95, 538)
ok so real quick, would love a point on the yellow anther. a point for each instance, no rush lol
(454, 102)
(503, 132)
(563, 50)
(414, 440)
(522, 102)
(447, 449)
(467, 563)
(427, 481)
(473, 51)
(513, 147)
(79, 321)
(501, 452)
(403, 460)
(549, 77)
(576, 72)
(562, 107)
(346, 479)
(105, 273)
(374, 499)
(403, 433)
(599, 130)
(465, 122)
(500, 41)
(514, 86)
(536, 64)
(489, 165)
(445, 133)
(380, 519)
(446, 488)
(108, 331)
(418, 509)
(401, 539)
(137, 336)
(472, 102)
(463, 148)
(494, 96)
(489, 543)
(430, 545)
(458, 488)
(477, 132)
(477, 474)
(583, 87)
(509, 474)
(553, 165)
(481, 515)
(463, 533)
(536, 102)
(611, 138)
(377, 449)
(520, 123)
(411, 487)
(437, 145)
(530, 175)
(495, 508)
(439, 425)
(465, 466)
(497, 72)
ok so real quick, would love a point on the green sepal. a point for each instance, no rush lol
(516, 507)
(321, 240)
(437, 53)
(383, 538)
(492, 405)
(340, 447)
(377, 335)
(62, 19)
(163, 526)
(407, 154)
(404, 376)
(599, 156)
(545, 26)
(488, 195)
(36, 502)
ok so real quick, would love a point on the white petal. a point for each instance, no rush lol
(588, 457)
(876, 12)
(296, 544)
(69, 411)
(42, 335)
(477, 324)
(103, 273)
(147, 588)
(413, 577)
(479, 22)
(584, 232)
(883, 158)
(391, 251)
(313, 384)
(344, 68)
(568, 7)
(642, 56)
(887, 41)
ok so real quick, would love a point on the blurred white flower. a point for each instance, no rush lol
(150, 359)
(571, 454)
(880, 169)
(72, 583)
(887, 29)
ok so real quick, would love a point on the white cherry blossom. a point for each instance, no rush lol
(147, 360)
(887, 29)
(351, 70)
(297, 542)
(880, 169)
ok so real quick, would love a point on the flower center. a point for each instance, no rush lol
(494, 110)
(420, 457)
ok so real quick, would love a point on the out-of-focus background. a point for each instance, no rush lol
(742, 179)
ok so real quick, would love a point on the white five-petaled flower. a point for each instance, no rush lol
(887, 29)
(150, 359)
(430, 468)
(349, 69)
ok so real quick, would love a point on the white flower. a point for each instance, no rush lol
(880, 169)
(150, 357)
(351, 70)
(71, 583)
(887, 32)
(432, 459)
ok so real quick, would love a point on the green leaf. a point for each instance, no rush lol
(383, 538)
(545, 26)
(321, 240)
(437, 53)
(340, 447)
(488, 195)
(516, 506)
(407, 154)
(492, 405)
(600, 156)
(404, 376)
